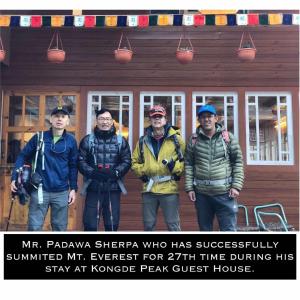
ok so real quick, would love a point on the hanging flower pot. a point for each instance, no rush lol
(247, 51)
(56, 53)
(185, 54)
(2, 51)
(123, 55)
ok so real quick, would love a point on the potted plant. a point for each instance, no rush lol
(56, 53)
(185, 54)
(247, 51)
(123, 55)
(2, 51)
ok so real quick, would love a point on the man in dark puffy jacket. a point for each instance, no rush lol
(214, 172)
(104, 158)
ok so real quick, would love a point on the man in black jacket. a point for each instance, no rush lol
(104, 158)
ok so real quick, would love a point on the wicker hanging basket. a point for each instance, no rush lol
(247, 51)
(56, 53)
(185, 54)
(123, 55)
(2, 51)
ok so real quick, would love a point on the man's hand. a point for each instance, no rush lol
(72, 197)
(192, 196)
(13, 187)
(234, 193)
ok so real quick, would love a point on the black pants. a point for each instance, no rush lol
(96, 203)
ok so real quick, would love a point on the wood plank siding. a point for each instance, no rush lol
(90, 66)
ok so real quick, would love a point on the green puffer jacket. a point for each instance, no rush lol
(154, 167)
(207, 159)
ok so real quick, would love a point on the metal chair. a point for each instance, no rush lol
(261, 211)
(247, 226)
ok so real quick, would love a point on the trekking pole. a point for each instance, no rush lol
(10, 210)
(110, 209)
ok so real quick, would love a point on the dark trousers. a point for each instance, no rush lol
(221, 206)
(97, 203)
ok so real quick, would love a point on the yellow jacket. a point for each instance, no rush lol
(154, 167)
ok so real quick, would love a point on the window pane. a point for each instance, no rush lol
(147, 99)
(13, 146)
(199, 99)
(252, 128)
(283, 99)
(177, 116)
(230, 100)
(268, 135)
(284, 129)
(15, 111)
(112, 103)
(53, 101)
(251, 99)
(94, 108)
(125, 121)
(32, 110)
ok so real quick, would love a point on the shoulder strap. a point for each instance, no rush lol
(91, 142)
(39, 148)
(177, 147)
(120, 141)
(141, 147)
(225, 142)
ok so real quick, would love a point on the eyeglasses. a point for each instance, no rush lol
(203, 117)
(104, 119)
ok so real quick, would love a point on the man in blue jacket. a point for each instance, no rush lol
(55, 170)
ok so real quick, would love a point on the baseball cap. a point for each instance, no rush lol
(60, 110)
(157, 110)
(207, 108)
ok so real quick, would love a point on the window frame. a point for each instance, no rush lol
(290, 133)
(120, 94)
(173, 94)
(212, 94)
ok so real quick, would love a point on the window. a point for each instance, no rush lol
(225, 104)
(174, 103)
(29, 113)
(120, 105)
(269, 129)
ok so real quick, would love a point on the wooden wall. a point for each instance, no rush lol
(90, 65)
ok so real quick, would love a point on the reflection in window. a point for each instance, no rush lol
(32, 111)
(13, 146)
(15, 111)
(65, 100)
(269, 139)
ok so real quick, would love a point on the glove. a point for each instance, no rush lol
(99, 175)
(171, 165)
(111, 173)
(144, 178)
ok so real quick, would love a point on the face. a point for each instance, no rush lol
(208, 121)
(60, 121)
(105, 121)
(158, 121)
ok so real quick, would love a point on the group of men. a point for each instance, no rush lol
(212, 162)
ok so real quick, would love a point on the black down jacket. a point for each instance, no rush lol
(107, 152)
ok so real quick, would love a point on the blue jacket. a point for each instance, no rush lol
(61, 171)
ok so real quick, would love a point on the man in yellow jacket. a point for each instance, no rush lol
(158, 161)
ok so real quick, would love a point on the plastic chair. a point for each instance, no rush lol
(260, 211)
(247, 226)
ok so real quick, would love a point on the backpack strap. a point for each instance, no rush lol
(225, 142)
(120, 141)
(91, 143)
(141, 147)
(40, 147)
(194, 139)
(178, 149)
